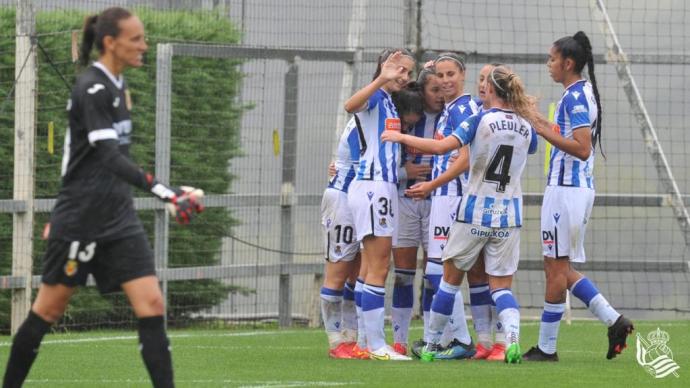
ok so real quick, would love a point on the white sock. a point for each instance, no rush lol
(349, 314)
(548, 328)
(508, 313)
(331, 312)
(601, 309)
(480, 305)
(373, 298)
(458, 321)
(499, 333)
(361, 329)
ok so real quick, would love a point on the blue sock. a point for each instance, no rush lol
(403, 299)
(441, 310)
(587, 292)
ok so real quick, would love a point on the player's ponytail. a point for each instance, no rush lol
(579, 49)
(583, 40)
(97, 27)
(88, 36)
(509, 87)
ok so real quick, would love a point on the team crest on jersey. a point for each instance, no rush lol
(337, 250)
(370, 194)
(71, 267)
(95, 88)
(556, 217)
(128, 100)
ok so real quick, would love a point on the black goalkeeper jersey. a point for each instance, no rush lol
(93, 203)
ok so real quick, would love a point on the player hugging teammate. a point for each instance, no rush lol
(480, 154)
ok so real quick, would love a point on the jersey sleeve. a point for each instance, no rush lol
(97, 113)
(532, 141)
(466, 130)
(374, 100)
(577, 108)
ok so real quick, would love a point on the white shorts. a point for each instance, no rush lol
(501, 247)
(413, 223)
(374, 206)
(442, 216)
(564, 216)
(340, 240)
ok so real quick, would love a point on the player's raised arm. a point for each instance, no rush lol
(395, 67)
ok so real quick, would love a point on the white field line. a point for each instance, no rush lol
(173, 335)
(240, 383)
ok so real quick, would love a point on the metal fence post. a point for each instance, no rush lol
(163, 112)
(288, 198)
(24, 133)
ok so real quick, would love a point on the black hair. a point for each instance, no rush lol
(408, 100)
(579, 49)
(423, 76)
(97, 27)
(449, 56)
(387, 53)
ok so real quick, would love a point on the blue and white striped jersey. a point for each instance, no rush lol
(346, 158)
(378, 161)
(499, 143)
(453, 114)
(577, 108)
(425, 128)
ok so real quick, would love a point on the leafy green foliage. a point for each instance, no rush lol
(205, 136)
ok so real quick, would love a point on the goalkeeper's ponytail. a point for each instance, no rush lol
(97, 27)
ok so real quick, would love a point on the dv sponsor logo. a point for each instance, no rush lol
(547, 238)
(441, 232)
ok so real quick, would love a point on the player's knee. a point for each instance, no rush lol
(157, 305)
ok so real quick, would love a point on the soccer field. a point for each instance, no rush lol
(295, 358)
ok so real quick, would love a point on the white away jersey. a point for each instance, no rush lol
(577, 108)
(346, 158)
(425, 128)
(378, 161)
(453, 114)
(499, 143)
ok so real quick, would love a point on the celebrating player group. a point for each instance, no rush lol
(422, 163)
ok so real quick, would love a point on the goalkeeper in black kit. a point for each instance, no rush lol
(94, 227)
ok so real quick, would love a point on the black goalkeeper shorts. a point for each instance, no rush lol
(111, 263)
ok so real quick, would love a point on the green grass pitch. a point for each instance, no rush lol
(298, 357)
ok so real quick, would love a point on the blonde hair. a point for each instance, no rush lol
(509, 87)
